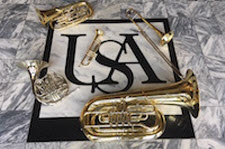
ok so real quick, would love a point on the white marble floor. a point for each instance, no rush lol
(199, 42)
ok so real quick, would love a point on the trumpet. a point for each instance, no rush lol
(91, 53)
(49, 89)
(165, 38)
(65, 16)
(134, 115)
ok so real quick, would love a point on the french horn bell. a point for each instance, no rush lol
(49, 89)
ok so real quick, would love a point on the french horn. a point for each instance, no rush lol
(49, 89)
(165, 38)
(134, 115)
(65, 16)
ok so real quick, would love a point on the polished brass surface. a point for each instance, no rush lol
(165, 37)
(91, 52)
(119, 116)
(49, 89)
(65, 16)
(149, 40)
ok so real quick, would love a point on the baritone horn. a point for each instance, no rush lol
(134, 115)
(165, 38)
(65, 16)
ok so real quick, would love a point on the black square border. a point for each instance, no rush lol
(68, 128)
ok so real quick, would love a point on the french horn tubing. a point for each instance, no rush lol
(65, 16)
(134, 115)
(165, 38)
(49, 89)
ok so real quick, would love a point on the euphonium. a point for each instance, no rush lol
(133, 115)
(65, 16)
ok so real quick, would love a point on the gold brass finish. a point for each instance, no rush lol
(49, 89)
(91, 53)
(121, 118)
(65, 16)
(152, 43)
(165, 37)
(126, 115)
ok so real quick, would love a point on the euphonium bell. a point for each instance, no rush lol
(133, 115)
(46, 16)
(65, 16)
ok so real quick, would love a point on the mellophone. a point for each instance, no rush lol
(121, 116)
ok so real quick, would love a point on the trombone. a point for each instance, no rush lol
(165, 37)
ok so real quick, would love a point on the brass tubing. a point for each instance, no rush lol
(156, 48)
(101, 118)
(94, 47)
(164, 37)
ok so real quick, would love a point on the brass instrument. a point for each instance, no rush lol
(33, 67)
(133, 115)
(91, 53)
(164, 37)
(152, 43)
(65, 16)
(49, 89)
